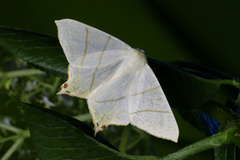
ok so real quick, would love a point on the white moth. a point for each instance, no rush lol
(116, 80)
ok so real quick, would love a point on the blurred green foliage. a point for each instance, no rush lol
(205, 32)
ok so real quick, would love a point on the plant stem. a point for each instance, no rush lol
(39, 81)
(83, 117)
(12, 149)
(10, 128)
(124, 141)
(21, 73)
(19, 140)
(55, 86)
(8, 138)
(210, 142)
(135, 142)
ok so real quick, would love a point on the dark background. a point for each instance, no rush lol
(205, 32)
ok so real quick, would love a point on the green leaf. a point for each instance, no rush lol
(233, 134)
(229, 151)
(192, 86)
(56, 136)
(183, 89)
(225, 152)
(230, 135)
(219, 112)
(186, 85)
(7, 107)
(43, 51)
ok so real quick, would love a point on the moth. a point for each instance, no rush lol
(116, 80)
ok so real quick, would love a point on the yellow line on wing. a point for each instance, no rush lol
(93, 78)
(149, 111)
(112, 100)
(85, 51)
(100, 59)
(145, 91)
(99, 62)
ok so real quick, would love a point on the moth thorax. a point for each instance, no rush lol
(141, 54)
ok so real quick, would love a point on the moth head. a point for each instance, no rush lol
(141, 54)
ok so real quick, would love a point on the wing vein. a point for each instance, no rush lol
(112, 100)
(145, 91)
(149, 111)
(85, 50)
(99, 62)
